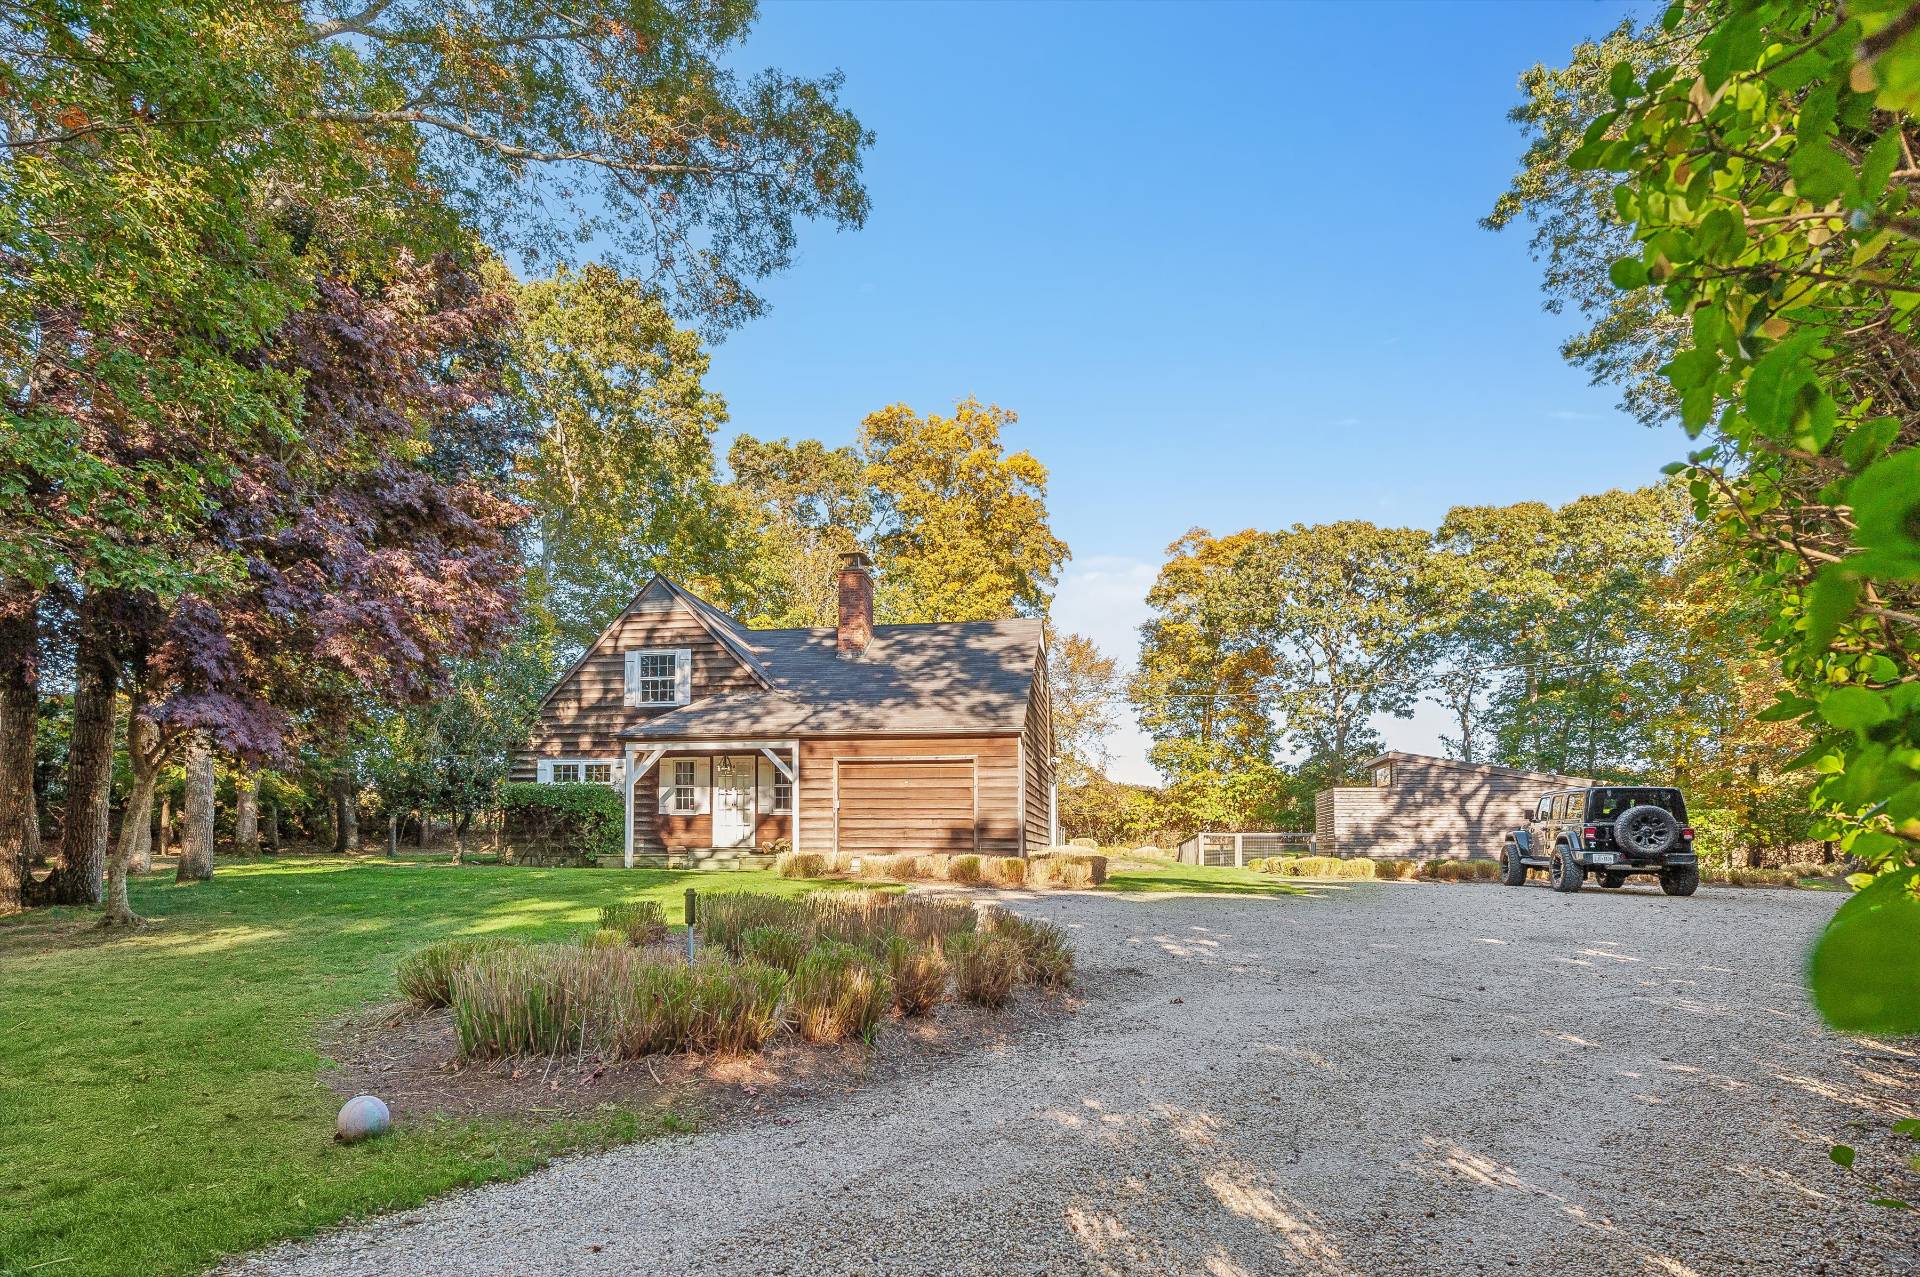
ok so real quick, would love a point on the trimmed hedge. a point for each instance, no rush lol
(568, 824)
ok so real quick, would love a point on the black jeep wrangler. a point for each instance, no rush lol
(1610, 831)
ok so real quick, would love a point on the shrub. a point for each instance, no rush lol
(837, 992)
(566, 824)
(1461, 870)
(1319, 867)
(604, 938)
(1046, 959)
(775, 947)
(919, 973)
(1004, 871)
(727, 916)
(1068, 869)
(1072, 873)
(643, 922)
(985, 967)
(426, 977)
(1396, 870)
(965, 870)
(802, 864)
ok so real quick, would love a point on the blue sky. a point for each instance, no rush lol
(1223, 260)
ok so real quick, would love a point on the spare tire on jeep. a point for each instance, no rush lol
(1646, 829)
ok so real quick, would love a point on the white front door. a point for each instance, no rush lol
(733, 786)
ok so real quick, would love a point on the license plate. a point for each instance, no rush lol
(1604, 858)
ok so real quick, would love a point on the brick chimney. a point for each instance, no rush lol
(856, 604)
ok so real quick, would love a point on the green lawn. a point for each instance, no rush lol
(160, 1098)
(1216, 880)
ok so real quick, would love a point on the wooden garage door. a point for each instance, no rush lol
(921, 805)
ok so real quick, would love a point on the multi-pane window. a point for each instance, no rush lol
(782, 793)
(656, 679)
(682, 799)
(598, 773)
(566, 773)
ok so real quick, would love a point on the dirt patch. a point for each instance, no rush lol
(408, 1057)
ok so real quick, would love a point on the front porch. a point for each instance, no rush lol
(709, 804)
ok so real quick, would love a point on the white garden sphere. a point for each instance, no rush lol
(362, 1118)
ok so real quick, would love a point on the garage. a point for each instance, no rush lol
(921, 805)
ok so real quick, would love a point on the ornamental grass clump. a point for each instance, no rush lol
(1005, 871)
(643, 922)
(533, 999)
(929, 918)
(714, 1007)
(776, 947)
(985, 967)
(964, 870)
(838, 992)
(604, 938)
(727, 916)
(1046, 959)
(1461, 870)
(802, 864)
(919, 973)
(1396, 870)
(426, 977)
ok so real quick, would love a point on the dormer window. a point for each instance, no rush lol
(659, 676)
(1383, 776)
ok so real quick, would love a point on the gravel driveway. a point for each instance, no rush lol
(1395, 1078)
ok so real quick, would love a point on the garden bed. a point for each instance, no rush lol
(786, 997)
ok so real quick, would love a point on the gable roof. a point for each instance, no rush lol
(1496, 769)
(972, 676)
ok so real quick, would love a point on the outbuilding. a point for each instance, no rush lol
(1419, 807)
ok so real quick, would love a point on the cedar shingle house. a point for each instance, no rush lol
(1420, 808)
(856, 738)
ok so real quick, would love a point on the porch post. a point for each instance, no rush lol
(793, 808)
(626, 753)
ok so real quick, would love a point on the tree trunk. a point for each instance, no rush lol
(143, 754)
(83, 831)
(346, 815)
(140, 861)
(163, 826)
(393, 835)
(459, 824)
(420, 833)
(246, 814)
(196, 846)
(19, 720)
(273, 827)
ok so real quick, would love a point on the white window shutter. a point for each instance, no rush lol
(702, 786)
(765, 796)
(633, 678)
(665, 769)
(682, 676)
(544, 772)
(618, 773)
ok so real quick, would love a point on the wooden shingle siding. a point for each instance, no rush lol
(1435, 808)
(995, 762)
(585, 714)
(1036, 743)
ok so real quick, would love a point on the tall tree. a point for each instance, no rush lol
(1086, 688)
(1198, 695)
(620, 471)
(1335, 607)
(19, 728)
(962, 531)
(196, 846)
(804, 504)
(627, 114)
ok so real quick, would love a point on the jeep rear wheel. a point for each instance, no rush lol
(1512, 871)
(1680, 882)
(1566, 874)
